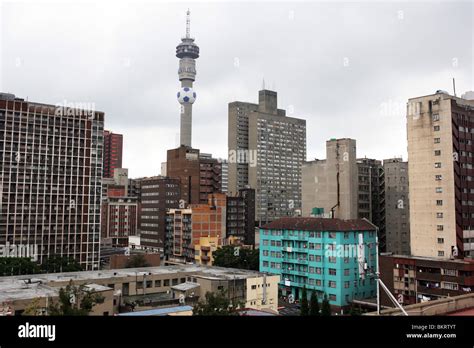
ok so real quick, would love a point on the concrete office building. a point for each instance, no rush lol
(328, 256)
(119, 219)
(397, 207)
(344, 186)
(441, 171)
(113, 150)
(224, 176)
(266, 151)
(157, 195)
(50, 178)
(332, 184)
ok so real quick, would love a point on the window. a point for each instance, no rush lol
(437, 152)
(440, 253)
(157, 283)
(174, 281)
(435, 117)
(437, 140)
(332, 234)
(438, 177)
(439, 215)
(450, 286)
(166, 282)
(347, 284)
(438, 165)
(254, 287)
(332, 284)
(439, 202)
(440, 240)
(332, 259)
(439, 228)
(332, 271)
(332, 297)
(436, 128)
(439, 190)
(346, 272)
(139, 285)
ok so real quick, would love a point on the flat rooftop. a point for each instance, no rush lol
(425, 258)
(41, 285)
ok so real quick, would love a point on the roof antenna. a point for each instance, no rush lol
(188, 24)
(454, 86)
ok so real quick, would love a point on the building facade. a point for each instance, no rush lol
(332, 184)
(329, 256)
(371, 195)
(397, 206)
(414, 279)
(157, 195)
(210, 173)
(119, 219)
(185, 227)
(240, 220)
(441, 171)
(113, 150)
(50, 178)
(266, 151)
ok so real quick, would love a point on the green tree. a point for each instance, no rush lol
(137, 261)
(231, 256)
(216, 304)
(33, 308)
(74, 301)
(17, 266)
(313, 304)
(304, 302)
(57, 263)
(325, 307)
(354, 311)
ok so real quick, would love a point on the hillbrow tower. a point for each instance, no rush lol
(187, 52)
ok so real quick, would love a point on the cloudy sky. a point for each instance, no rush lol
(348, 68)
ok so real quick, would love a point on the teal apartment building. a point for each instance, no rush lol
(330, 256)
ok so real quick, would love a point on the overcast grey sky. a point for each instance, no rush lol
(348, 68)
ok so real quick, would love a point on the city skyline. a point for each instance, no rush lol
(131, 70)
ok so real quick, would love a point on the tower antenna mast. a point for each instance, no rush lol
(188, 24)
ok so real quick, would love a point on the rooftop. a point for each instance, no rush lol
(41, 285)
(319, 224)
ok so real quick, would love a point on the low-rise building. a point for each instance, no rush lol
(413, 279)
(145, 288)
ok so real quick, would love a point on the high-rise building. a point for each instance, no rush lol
(187, 52)
(113, 148)
(371, 195)
(186, 226)
(332, 184)
(225, 176)
(327, 256)
(397, 207)
(157, 195)
(183, 163)
(50, 178)
(120, 212)
(345, 187)
(119, 220)
(441, 171)
(210, 173)
(266, 151)
(199, 173)
(241, 216)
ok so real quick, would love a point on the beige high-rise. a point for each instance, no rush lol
(440, 130)
(332, 183)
